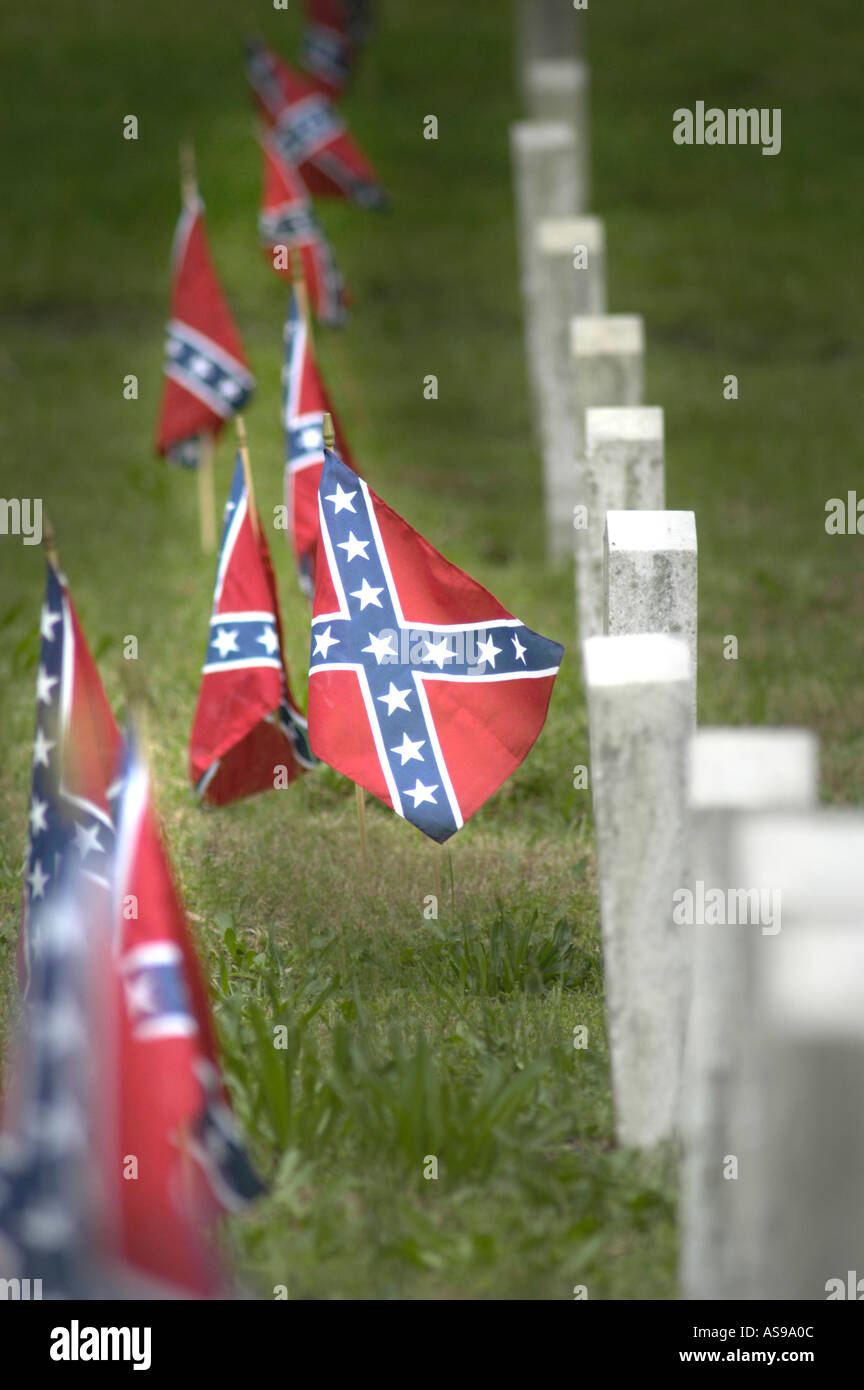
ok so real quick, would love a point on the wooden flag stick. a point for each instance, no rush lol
(135, 690)
(298, 276)
(437, 851)
(243, 446)
(49, 542)
(328, 431)
(186, 1162)
(188, 176)
(360, 793)
(206, 500)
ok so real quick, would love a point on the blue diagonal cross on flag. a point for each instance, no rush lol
(423, 688)
(74, 750)
(206, 370)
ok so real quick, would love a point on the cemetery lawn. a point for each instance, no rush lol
(407, 1037)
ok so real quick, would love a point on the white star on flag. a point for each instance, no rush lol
(37, 880)
(380, 647)
(44, 685)
(225, 641)
(353, 547)
(439, 652)
(37, 816)
(47, 619)
(310, 437)
(139, 993)
(48, 1226)
(395, 699)
(60, 1027)
(407, 749)
(342, 500)
(58, 1125)
(367, 595)
(487, 651)
(41, 748)
(87, 839)
(269, 641)
(519, 650)
(421, 793)
(323, 643)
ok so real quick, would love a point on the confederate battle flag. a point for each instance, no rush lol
(171, 1109)
(335, 31)
(207, 379)
(75, 749)
(422, 688)
(246, 724)
(287, 222)
(304, 404)
(308, 131)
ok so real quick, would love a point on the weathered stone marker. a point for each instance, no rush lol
(544, 173)
(546, 29)
(624, 470)
(571, 280)
(798, 1222)
(730, 771)
(557, 89)
(607, 361)
(607, 358)
(543, 155)
(651, 576)
(640, 720)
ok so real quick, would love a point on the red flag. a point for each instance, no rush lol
(308, 131)
(179, 1160)
(75, 752)
(335, 31)
(287, 221)
(304, 403)
(417, 674)
(246, 724)
(207, 379)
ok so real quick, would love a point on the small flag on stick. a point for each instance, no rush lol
(207, 378)
(305, 401)
(309, 133)
(288, 226)
(422, 687)
(75, 751)
(335, 32)
(172, 1109)
(248, 734)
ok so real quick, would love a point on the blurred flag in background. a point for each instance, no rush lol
(304, 403)
(207, 378)
(246, 723)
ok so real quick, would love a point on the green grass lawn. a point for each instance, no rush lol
(407, 1037)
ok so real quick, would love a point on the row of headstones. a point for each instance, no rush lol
(731, 907)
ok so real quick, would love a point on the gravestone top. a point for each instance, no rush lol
(651, 531)
(557, 74)
(740, 769)
(558, 235)
(542, 135)
(635, 658)
(625, 422)
(592, 335)
(816, 986)
(817, 858)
